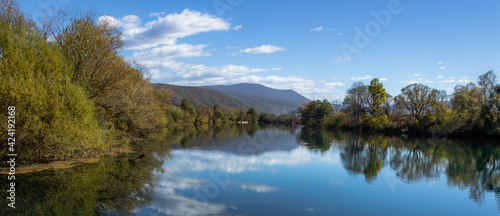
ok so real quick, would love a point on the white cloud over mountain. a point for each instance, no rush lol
(154, 44)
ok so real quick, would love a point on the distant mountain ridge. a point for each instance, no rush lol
(200, 96)
(262, 98)
(243, 96)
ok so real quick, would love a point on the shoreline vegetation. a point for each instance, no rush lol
(76, 98)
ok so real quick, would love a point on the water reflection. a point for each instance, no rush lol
(114, 186)
(468, 165)
(263, 169)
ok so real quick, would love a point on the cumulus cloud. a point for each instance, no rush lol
(155, 45)
(109, 20)
(166, 29)
(442, 67)
(440, 77)
(172, 51)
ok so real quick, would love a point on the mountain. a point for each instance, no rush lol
(262, 98)
(201, 96)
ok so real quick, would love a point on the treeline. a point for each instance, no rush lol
(471, 110)
(75, 96)
(185, 113)
(200, 96)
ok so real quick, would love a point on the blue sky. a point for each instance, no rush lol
(318, 49)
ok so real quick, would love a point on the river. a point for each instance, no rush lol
(272, 170)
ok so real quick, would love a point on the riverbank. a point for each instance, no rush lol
(64, 164)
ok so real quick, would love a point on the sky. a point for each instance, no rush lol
(317, 48)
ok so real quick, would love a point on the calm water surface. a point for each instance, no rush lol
(269, 170)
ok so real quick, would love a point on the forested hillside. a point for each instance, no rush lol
(199, 96)
(263, 98)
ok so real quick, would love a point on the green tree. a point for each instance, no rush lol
(377, 97)
(253, 115)
(218, 113)
(204, 114)
(315, 112)
(417, 99)
(54, 117)
(187, 107)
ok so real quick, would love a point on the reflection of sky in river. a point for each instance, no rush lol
(285, 178)
(194, 169)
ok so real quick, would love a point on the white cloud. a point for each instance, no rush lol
(262, 49)
(333, 84)
(340, 59)
(317, 29)
(417, 74)
(157, 14)
(110, 20)
(440, 62)
(172, 51)
(259, 188)
(165, 30)
(417, 81)
(338, 34)
(454, 80)
(383, 79)
(321, 28)
(362, 78)
(237, 27)
(442, 67)
(155, 46)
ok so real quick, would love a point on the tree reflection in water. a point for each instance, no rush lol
(470, 165)
(122, 185)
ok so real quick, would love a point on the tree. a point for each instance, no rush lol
(204, 114)
(92, 49)
(164, 96)
(253, 115)
(187, 107)
(218, 113)
(54, 117)
(241, 115)
(356, 99)
(467, 101)
(315, 112)
(377, 97)
(490, 89)
(417, 99)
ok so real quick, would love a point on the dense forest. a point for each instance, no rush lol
(472, 110)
